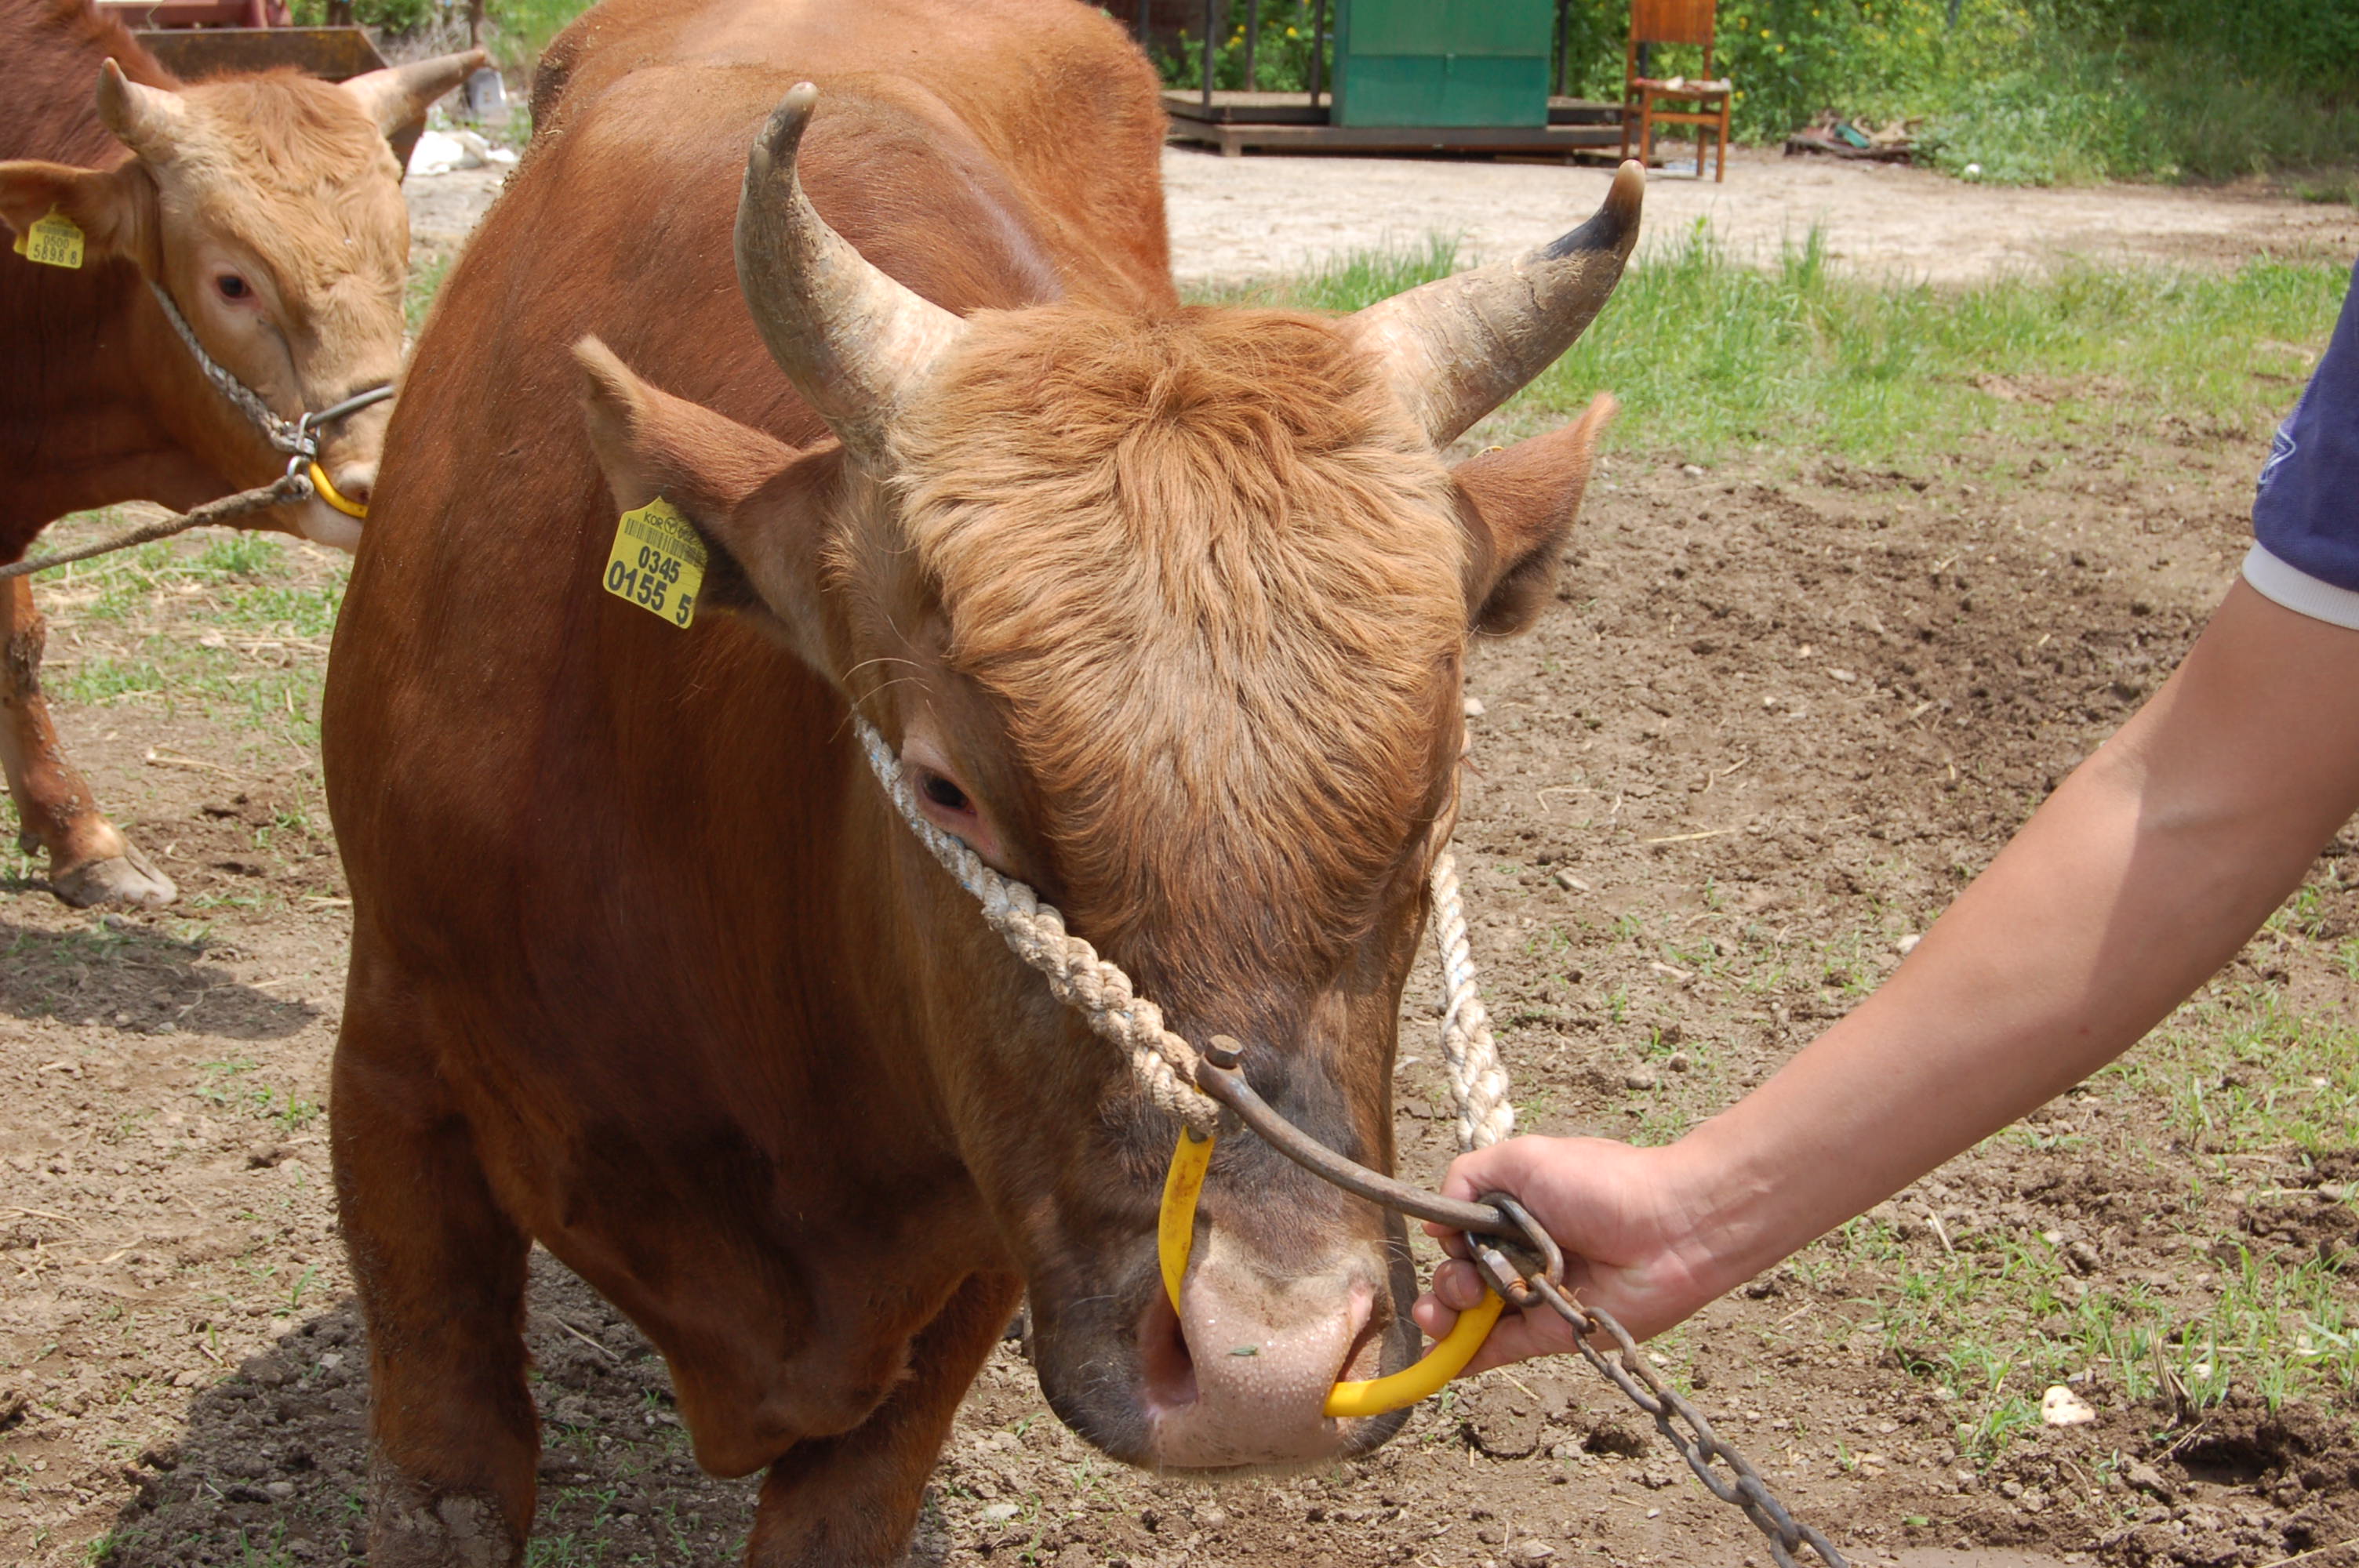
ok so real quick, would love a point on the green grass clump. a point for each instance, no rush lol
(224, 624)
(1709, 355)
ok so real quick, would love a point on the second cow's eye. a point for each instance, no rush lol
(233, 286)
(942, 792)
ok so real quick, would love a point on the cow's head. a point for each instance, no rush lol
(1167, 618)
(269, 208)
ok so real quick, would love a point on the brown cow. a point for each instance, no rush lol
(269, 208)
(1165, 607)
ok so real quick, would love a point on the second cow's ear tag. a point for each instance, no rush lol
(53, 240)
(657, 562)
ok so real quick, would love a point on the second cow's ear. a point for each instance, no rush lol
(759, 504)
(1525, 498)
(114, 208)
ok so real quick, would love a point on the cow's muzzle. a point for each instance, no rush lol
(1238, 1372)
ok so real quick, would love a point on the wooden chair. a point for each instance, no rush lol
(1673, 22)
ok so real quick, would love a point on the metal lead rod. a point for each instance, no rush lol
(1228, 1085)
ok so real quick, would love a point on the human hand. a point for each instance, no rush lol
(1635, 1242)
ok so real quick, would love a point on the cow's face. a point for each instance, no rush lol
(1166, 618)
(269, 207)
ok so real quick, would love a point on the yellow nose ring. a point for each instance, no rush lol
(1175, 1236)
(327, 492)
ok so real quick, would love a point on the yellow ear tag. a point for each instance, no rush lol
(53, 240)
(657, 562)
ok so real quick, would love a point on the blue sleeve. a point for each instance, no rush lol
(2306, 511)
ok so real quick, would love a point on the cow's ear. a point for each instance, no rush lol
(114, 208)
(1526, 497)
(754, 500)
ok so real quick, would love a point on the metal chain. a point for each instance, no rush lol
(1476, 1083)
(1627, 1369)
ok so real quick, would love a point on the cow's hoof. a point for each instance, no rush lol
(128, 878)
(454, 1530)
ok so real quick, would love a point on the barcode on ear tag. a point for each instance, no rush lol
(657, 562)
(53, 240)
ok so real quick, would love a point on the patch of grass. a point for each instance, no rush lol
(2240, 1071)
(425, 281)
(1993, 1316)
(243, 558)
(2082, 116)
(1348, 280)
(231, 624)
(1801, 356)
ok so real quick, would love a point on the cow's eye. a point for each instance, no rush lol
(233, 286)
(942, 792)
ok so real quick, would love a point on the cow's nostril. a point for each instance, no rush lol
(1366, 1355)
(355, 480)
(1166, 1368)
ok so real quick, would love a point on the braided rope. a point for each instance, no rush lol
(284, 434)
(1478, 1084)
(1163, 1063)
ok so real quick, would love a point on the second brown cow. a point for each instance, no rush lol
(1164, 609)
(264, 212)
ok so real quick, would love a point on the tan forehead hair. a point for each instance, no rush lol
(296, 168)
(1214, 575)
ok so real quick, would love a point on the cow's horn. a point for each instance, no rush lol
(148, 120)
(1459, 347)
(853, 340)
(400, 93)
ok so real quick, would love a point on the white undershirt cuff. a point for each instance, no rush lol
(2298, 592)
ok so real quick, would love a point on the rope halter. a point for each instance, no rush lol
(299, 437)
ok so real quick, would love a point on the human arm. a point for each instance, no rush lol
(2139, 878)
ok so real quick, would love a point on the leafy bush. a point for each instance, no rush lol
(2030, 91)
(515, 31)
(1281, 53)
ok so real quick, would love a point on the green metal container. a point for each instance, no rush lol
(1443, 62)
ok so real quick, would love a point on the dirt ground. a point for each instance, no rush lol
(1239, 218)
(1775, 718)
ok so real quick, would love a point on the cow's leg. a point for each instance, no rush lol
(89, 862)
(441, 1270)
(852, 1501)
